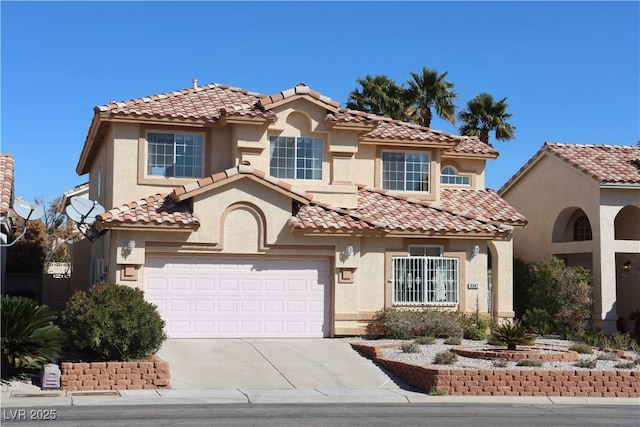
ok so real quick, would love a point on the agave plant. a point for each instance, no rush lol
(29, 338)
(511, 334)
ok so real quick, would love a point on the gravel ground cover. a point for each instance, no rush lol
(427, 354)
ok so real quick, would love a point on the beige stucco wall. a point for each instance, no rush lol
(547, 195)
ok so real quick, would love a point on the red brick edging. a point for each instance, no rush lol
(508, 382)
(152, 374)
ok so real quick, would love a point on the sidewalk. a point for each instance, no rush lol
(52, 398)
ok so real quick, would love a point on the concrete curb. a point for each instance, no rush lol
(31, 398)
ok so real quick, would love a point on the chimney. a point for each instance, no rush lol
(195, 83)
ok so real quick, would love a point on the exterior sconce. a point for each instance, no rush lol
(126, 250)
(626, 267)
(475, 250)
(349, 251)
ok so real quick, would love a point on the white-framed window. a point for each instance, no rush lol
(295, 157)
(405, 171)
(449, 175)
(425, 280)
(175, 155)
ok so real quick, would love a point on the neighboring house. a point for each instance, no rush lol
(243, 215)
(583, 205)
(7, 165)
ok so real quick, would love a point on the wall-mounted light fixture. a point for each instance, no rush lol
(349, 251)
(626, 267)
(475, 250)
(126, 250)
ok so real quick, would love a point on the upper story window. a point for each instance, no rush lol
(582, 229)
(405, 171)
(295, 158)
(450, 176)
(176, 155)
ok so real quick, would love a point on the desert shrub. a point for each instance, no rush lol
(625, 365)
(529, 362)
(434, 391)
(499, 363)
(511, 335)
(608, 356)
(591, 335)
(581, 348)
(445, 358)
(427, 340)
(407, 324)
(453, 341)
(410, 347)
(562, 291)
(475, 326)
(113, 322)
(29, 337)
(585, 363)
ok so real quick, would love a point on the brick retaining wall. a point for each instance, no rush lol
(508, 382)
(151, 374)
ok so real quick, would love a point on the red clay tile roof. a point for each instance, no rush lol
(460, 211)
(7, 165)
(606, 164)
(207, 102)
(384, 128)
(298, 90)
(154, 210)
(378, 210)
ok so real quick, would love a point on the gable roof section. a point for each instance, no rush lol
(608, 165)
(299, 90)
(7, 166)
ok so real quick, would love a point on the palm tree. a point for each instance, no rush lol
(378, 95)
(484, 115)
(426, 90)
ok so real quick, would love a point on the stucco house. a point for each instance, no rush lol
(582, 202)
(245, 215)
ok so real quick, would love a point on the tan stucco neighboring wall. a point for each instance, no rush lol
(549, 188)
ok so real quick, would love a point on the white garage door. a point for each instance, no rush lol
(230, 297)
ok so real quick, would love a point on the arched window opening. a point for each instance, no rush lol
(450, 176)
(582, 229)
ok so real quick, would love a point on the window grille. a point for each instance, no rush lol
(425, 280)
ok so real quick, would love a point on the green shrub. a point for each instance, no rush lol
(620, 341)
(591, 335)
(445, 358)
(428, 340)
(585, 363)
(453, 341)
(410, 347)
(434, 391)
(529, 362)
(538, 320)
(407, 324)
(28, 336)
(475, 326)
(113, 322)
(511, 335)
(581, 348)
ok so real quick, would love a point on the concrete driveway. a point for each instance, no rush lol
(270, 364)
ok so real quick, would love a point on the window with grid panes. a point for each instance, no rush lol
(175, 155)
(405, 171)
(295, 157)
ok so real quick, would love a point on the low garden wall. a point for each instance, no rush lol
(508, 382)
(151, 374)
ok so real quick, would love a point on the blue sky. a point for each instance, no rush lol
(569, 70)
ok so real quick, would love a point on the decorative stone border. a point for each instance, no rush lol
(507, 382)
(151, 374)
(516, 355)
